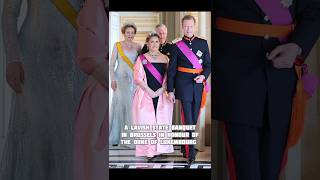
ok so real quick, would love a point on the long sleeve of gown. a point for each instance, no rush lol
(113, 58)
(11, 10)
(92, 45)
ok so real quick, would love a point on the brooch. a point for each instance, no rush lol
(144, 61)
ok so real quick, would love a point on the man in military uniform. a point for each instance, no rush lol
(189, 67)
(165, 46)
(256, 45)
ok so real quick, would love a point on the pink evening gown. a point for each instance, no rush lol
(90, 140)
(143, 113)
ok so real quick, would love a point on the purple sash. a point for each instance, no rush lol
(310, 81)
(280, 15)
(189, 54)
(151, 69)
(277, 14)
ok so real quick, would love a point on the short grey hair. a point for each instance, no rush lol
(160, 25)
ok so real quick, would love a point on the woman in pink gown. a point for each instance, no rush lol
(90, 140)
(150, 104)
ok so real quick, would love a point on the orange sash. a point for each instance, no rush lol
(196, 71)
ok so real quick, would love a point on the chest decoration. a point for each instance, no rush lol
(286, 3)
(199, 53)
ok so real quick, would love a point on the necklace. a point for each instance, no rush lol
(154, 55)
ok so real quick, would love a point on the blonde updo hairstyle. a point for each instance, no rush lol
(128, 25)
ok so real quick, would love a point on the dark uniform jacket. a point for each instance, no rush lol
(183, 84)
(246, 87)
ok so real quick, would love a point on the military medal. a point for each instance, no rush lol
(199, 53)
(286, 3)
